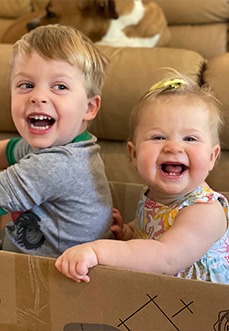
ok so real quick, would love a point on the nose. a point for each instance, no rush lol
(173, 147)
(38, 97)
(34, 100)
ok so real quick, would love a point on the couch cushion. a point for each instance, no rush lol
(130, 74)
(219, 176)
(209, 40)
(217, 76)
(195, 11)
(125, 198)
(6, 123)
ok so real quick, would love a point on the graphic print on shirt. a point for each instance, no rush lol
(27, 230)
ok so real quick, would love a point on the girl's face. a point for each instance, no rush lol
(173, 150)
(49, 101)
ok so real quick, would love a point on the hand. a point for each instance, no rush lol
(76, 261)
(121, 231)
(117, 226)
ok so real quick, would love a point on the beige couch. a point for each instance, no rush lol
(132, 71)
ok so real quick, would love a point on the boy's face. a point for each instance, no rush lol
(173, 148)
(49, 102)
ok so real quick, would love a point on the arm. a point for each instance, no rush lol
(3, 165)
(193, 233)
(20, 188)
(3, 160)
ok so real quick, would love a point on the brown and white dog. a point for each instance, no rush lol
(118, 23)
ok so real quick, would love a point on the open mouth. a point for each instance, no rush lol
(173, 169)
(40, 122)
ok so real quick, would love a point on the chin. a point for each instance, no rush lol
(39, 143)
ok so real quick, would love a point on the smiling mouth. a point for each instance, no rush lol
(173, 169)
(40, 122)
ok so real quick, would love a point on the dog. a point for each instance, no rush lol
(117, 23)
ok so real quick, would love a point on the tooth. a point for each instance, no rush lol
(39, 127)
(41, 117)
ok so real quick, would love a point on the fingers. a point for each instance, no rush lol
(76, 271)
(116, 214)
(116, 211)
(117, 219)
(76, 261)
(117, 227)
(118, 232)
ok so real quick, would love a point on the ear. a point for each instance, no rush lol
(214, 155)
(132, 153)
(93, 107)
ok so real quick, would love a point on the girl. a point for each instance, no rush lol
(174, 144)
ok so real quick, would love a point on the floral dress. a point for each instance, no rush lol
(153, 219)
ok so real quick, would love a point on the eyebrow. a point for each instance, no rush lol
(58, 76)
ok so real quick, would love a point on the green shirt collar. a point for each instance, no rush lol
(82, 137)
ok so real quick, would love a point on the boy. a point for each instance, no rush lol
(55, 187)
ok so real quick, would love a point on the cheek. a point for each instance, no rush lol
(17, 104)
(13, 112)
(145, 161)
(201, 161)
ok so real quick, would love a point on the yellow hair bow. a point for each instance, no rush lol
(169, 84)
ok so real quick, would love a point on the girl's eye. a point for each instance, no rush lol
(60, 87)
(26, 86)
(190, 139)
(158, 138)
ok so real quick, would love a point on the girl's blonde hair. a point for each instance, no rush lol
(65, 43)
(177, 84)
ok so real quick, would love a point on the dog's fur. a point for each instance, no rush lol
(120, 23)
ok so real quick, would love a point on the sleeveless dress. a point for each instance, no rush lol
(153, 219)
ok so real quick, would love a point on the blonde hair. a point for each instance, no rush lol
(68, 44)
(177, 84)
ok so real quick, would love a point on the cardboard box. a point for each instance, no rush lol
(34, 296)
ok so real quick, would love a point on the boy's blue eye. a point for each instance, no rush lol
(60, 87)
(26, 85)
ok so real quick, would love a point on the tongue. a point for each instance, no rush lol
(41, 122)
(169, 168)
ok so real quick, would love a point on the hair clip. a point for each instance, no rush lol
(169, 84)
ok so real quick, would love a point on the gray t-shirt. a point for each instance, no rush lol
(59, 197)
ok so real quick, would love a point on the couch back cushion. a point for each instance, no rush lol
(195, 11)
(6, 123)
(217, 76)
(131, 73)
(199, 25)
